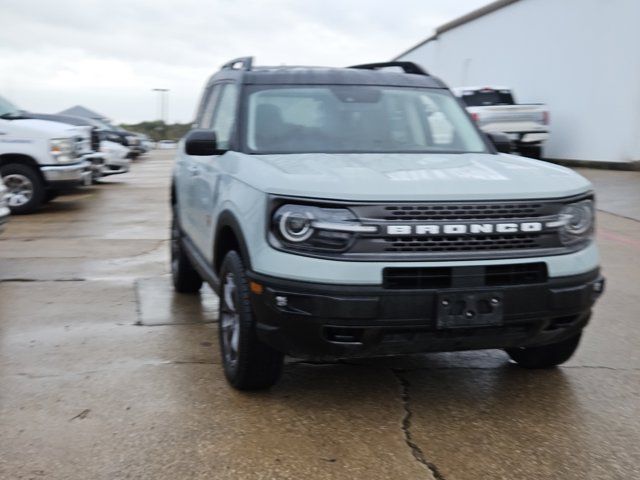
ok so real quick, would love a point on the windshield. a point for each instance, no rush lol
(7, 108)
(487, 96)
(357, 119)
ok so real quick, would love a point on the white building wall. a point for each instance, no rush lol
(580, 57)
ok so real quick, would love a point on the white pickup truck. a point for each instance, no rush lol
(495, 110)
(39, 158)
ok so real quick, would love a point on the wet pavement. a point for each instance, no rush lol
(105, 373)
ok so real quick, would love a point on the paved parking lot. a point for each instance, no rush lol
(105, 373)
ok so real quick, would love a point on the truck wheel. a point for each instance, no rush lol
(248, 363)
(545, 356)
(49, 195)
(531, 151)
(26, 189)
(185, 278)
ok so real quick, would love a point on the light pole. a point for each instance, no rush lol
(163, 93)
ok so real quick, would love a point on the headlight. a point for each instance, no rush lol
(308, 227)
(577, 219)
(62, 150)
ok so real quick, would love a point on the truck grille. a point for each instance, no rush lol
(464, 243)
(95, 140)
(461, 245)
(475, 211)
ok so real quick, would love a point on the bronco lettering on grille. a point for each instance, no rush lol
(464, 228)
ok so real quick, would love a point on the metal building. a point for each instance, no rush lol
(580, 57)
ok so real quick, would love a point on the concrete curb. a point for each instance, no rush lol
(633, 165)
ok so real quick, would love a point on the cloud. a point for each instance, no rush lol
(109, 55)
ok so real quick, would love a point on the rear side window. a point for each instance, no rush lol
(487, 96)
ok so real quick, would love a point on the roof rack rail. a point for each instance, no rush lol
(245, 64)
(408, 67)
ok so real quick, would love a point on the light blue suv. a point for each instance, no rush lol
(352, 212)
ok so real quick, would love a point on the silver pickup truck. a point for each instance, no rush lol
(495, 110)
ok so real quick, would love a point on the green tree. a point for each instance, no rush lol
(158, 130)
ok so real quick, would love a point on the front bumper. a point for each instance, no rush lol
(115, 166)
(96, 163)
(336, 321)
(67, 176)
(112, 169)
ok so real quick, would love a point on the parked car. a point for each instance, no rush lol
(38, 159)
(113, 155)
(116, 134)
(145, 143)
(134, 143)
(117, 158)
(166, 144)
(333, 223)
(90, 146)
(4, 207)
(495, 110)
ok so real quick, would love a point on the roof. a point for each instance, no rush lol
(80, 111)
(469, 17)
(459, 90)
(331, 76)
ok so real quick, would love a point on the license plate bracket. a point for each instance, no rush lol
(460, 309)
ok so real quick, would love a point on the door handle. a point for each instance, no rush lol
(193, 170)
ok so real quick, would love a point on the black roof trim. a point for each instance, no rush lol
(469, 17)
(408, 67)
(365, 74)
(245, 64)
(339, 76)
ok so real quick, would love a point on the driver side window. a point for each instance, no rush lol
(209, 107)
(225, 114)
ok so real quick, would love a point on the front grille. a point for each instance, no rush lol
(95, 140)
(463, 211)
(441, 246)
(464, 277)
(465, 243)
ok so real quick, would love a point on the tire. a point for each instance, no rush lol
(185, 278)
(545, 356)
(531, 151)
(26, 188)
(49, 195)
(249, 364)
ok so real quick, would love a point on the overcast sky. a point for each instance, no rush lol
(108, 55)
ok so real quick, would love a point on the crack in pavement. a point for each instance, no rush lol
(27, 280)
(416, 451)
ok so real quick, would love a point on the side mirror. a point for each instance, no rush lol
(500, 141)
(201, 142)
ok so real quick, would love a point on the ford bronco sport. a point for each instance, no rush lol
(352, 212)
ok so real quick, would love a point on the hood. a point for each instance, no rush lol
(45, 128)
(406, 177)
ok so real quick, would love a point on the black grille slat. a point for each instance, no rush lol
(464, 243)
(95, 140)
(480, 276)
(463, 211)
